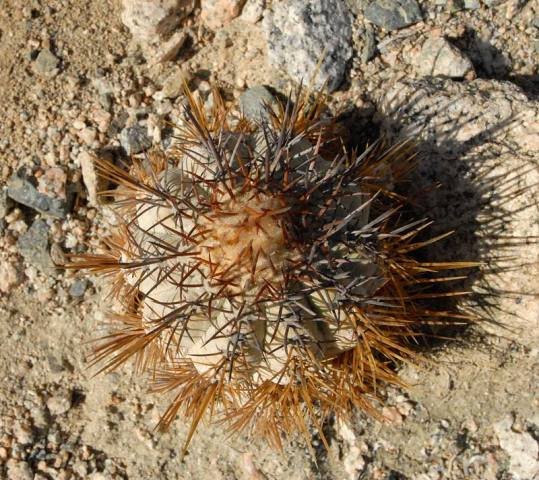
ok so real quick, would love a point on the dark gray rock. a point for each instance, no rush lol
(34, 247)
(303, 35)
(255, 101)
(23, 191)
(135, 139)
(393, 14)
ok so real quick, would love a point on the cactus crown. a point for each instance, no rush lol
(265, 270)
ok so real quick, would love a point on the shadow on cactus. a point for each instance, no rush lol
(267, 275)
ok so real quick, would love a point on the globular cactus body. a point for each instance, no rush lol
(265, 271)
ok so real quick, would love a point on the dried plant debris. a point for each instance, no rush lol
(268, 276)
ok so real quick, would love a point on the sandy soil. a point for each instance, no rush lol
(471, 412)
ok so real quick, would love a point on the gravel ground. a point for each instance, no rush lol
(104, 78)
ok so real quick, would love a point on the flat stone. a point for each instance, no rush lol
(255, 101)
(439, 58)
(310, 38)
(34, 247)
(23, 191)
(46, 63)
(135, 139)
(393, 14)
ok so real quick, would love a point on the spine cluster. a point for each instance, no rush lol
(267, 274)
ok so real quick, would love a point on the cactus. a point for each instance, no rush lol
(266, 274)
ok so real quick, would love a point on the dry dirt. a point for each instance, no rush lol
(472, 410)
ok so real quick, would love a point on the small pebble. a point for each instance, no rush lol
(253, 10)
(89, 175)
(34, 247)
(59, 404)
(88, 135)
(23, 433)
(393, 14)
(10, 276)
(149, 20)
(169, 50)
(135, 139)
(53, 183)
(5, 203)
(392, 416)
(369, 46)
(216, 13)
(18, 470)
(46, 63)
(78, 287)
(174, 84)
(472, 4)
(438, 57)
(23, 191)
(255, 101)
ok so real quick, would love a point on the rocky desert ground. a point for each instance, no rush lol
(104, 78)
